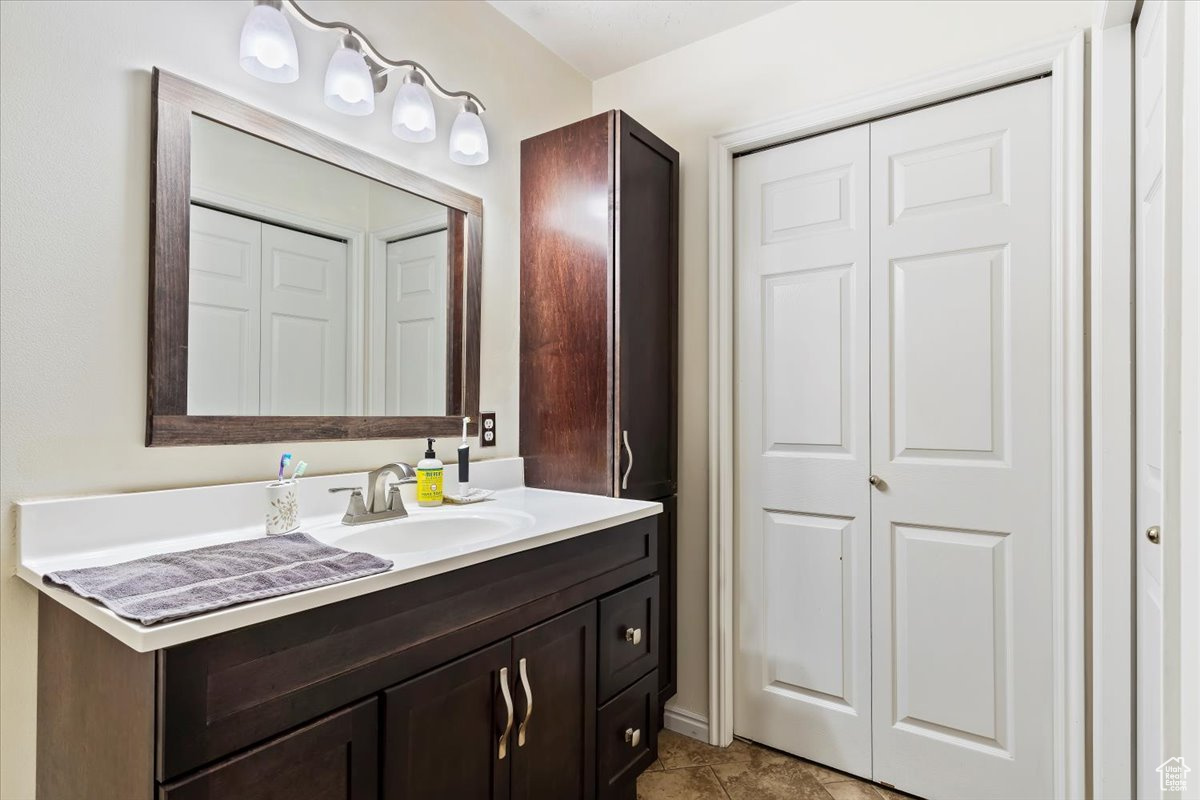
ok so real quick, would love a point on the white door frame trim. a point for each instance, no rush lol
(1063, 59)
(1111, 609)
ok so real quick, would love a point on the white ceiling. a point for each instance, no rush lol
(600, 37)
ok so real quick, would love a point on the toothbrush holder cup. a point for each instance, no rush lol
(283, 508)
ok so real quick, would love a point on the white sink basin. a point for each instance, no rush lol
(422, 531)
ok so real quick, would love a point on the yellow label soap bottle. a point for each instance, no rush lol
(429, 478)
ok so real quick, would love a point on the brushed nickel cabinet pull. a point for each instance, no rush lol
(633, 736)
(1154, 534)
(633, 635)
(629, 466)
(528, 704)
(503, 748)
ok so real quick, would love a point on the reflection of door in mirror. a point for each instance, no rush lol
(267, 319)
(415, 351)
(313, 290)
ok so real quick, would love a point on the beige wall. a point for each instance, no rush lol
(75, 155)
(807, 54)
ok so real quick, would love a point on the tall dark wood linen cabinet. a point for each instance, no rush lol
(599, 326)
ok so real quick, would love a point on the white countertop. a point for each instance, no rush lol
(80, 532)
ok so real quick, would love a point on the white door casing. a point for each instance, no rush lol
(961, 424)
(303, 361)
(223, 313)
(802, 665)
(415, 311)
(1150, 206)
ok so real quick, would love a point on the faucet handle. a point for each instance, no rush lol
(394, 501)
(357, 507)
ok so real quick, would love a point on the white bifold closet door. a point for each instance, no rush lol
(803, 662)
(900, 631)
(961, 398)
(415, 311)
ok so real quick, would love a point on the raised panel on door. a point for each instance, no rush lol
(334, 758)
(223, 313)
(962, 284)
(415, 311)
(445, 732)
(802, 235)
(1149, 208)
(304, 324)
(554, 669)
(647, 270)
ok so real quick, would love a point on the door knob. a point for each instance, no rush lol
(1153, 534)
(876, 481)
(633, 635)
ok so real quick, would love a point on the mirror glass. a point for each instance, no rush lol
(314, 290)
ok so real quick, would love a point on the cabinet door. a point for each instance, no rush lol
(335, 758)
(646, 277)
(448, 732)
(554, 668)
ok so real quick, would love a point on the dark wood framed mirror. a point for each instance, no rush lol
(301, 289)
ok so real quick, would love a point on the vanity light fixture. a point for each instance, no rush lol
(357, 72)
(268, 48)
(349, 83)
(413, 119)
(468, 139)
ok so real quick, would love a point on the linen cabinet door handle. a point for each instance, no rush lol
(629, 454)
(528, 704)
(633, 736)
(633, 635)
(502, 750)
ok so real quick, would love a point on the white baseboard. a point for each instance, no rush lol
(686, 723)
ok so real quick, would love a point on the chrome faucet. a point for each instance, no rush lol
(384, 501)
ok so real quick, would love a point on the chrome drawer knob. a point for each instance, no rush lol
(633, 736)
(1154, 534)
(633, 635)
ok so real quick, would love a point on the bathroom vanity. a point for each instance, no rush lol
(521, 665)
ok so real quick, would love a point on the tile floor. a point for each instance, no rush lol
(690, 770)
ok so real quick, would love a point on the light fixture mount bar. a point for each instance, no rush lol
(383, 63)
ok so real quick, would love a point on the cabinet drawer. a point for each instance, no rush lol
(627, 736)
(335, 758)
(628, 636)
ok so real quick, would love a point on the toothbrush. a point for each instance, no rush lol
(299, 470)
(283, 462)
(464, 462)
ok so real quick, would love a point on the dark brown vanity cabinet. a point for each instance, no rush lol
(514, 720)
(334, 758)
(599, 324)
(511, 678)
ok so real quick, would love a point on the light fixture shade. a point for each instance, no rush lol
(348, 85)
(468, 139)
(268, 48)
(413, 119)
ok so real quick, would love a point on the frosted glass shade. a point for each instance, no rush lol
(268, 48)
(468, 139)
(348, 85)
(413, 119)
